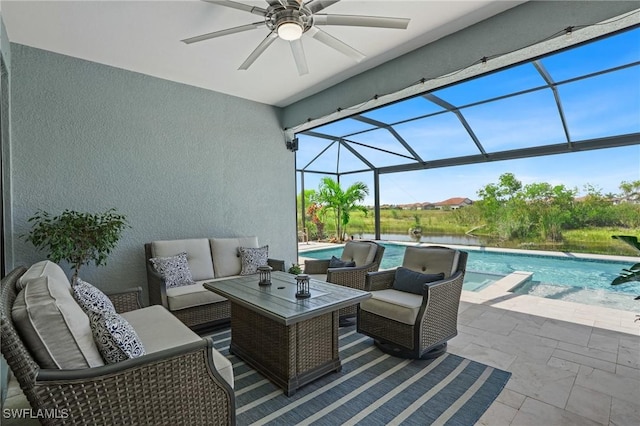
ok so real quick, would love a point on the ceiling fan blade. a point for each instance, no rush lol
(336, 44)
(259, 50)
(299, 57)
(362, 21)
(240, 6)
(316, 6)
(221, 33)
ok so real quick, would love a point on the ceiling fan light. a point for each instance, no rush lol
(290, 31)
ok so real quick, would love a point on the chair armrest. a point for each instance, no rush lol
(157, 287)
(353, 277)
(165, 387)
(126, 300)
(316, 266)
(438, 315)
(380, 280)
(276, 264)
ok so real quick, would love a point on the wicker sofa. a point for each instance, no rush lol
(181, 379)
(209, 259)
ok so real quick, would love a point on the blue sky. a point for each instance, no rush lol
(605, 169)
(601, 106)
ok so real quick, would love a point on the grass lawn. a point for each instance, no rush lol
(437, 222)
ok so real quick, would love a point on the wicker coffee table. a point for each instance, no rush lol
(290, 341)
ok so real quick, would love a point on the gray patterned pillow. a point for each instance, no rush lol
(252, 258)
(91, 298)
(115, 337)
(175, 269)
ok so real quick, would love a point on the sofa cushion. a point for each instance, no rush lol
(40, 269)
(361, 252)
(53, 326)
(90, 298)
(226, 258)
(116, 339)
(252, 258)
(198, 255)
(172, 333)
(393, 304)
(334, 262)
(190, 296)
(437, 260)
(174, 269)
(412, 281)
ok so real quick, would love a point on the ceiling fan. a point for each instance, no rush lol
(290, 19)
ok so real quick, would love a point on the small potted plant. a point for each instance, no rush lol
(295, 269)
(78, 238)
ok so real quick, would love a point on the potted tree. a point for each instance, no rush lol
(78, 238)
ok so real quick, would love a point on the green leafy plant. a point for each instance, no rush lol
(633, 273)
(78, 238)
(295, 269)
(331, 196)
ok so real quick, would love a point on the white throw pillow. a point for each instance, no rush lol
(175, 269)
(115, 338)
(90, 298)
(252, 258)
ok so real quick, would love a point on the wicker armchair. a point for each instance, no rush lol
(412, 325)
(366, 254)
(173, 386)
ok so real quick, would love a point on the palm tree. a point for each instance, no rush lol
(331, 197)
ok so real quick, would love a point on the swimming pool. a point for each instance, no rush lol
(581, 280)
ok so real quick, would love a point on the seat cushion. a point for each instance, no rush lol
(198, 255)
(393, 304)
(226, 258)
(172, 333)
(53, 326)
(319, 277)
(431, 260)
(40, 269)
(360, 252)
(191, 295)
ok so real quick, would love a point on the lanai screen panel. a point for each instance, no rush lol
(548, 105)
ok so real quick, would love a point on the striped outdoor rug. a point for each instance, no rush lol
(372, 389)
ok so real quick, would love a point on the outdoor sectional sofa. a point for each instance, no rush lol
(50, 343)
(209, 259)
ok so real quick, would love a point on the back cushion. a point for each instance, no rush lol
(198, 255)
(431, 260)
(226, 257)
(361, 252)
(53, 326)
(40, 269)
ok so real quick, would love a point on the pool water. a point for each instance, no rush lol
(557, 277)
(393, 255)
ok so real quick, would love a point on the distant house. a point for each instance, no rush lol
(453, 203)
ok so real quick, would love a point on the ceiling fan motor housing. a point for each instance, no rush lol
(292, 13)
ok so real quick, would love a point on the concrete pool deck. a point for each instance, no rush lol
(571, 364)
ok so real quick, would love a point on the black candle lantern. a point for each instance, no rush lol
(302, 286)
(265, 275)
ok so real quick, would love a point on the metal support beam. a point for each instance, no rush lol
(376, 205)
(536, 151)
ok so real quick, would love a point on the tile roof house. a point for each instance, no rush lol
(453, 203)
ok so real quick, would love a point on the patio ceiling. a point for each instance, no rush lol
(547, 105)
(145, 37)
